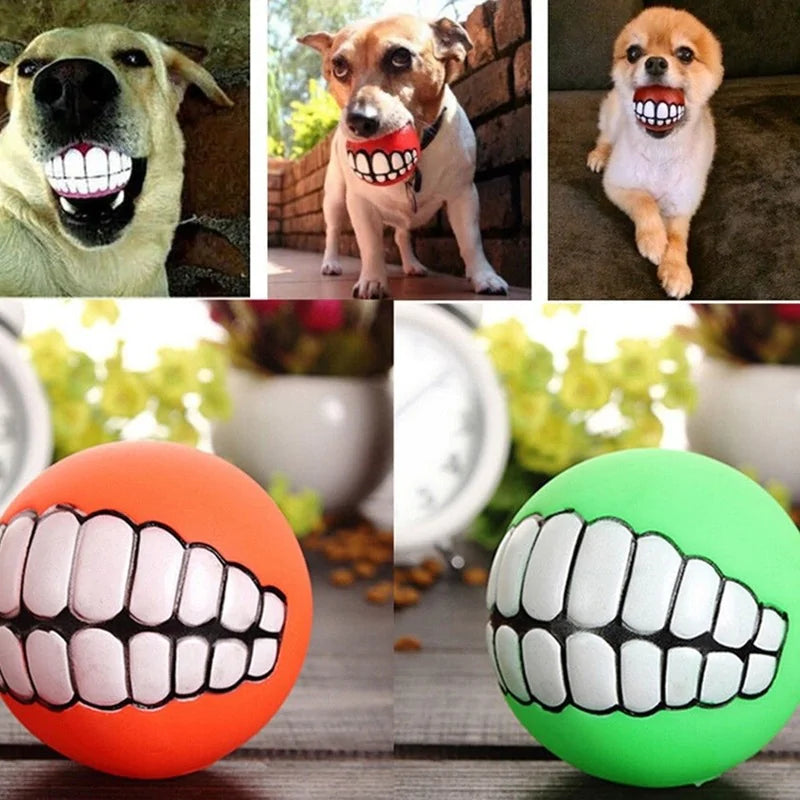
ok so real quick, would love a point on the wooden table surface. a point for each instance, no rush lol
(331, 739)
(455, 737)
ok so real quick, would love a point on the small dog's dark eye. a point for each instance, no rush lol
(634, 53)
(685, 54)
(340, 68)
(29, 67)
(132, 58)
(401, 58)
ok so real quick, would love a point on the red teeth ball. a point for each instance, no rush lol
(659, 108)
(387, 160)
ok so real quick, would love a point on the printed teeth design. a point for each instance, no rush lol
(658, 115)
(85, 173)
(382, 167)
(592, 615)
(99, 611)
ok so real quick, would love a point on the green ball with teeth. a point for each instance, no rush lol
(645, 617)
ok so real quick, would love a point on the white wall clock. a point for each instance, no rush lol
(26, 443)
(451, 428)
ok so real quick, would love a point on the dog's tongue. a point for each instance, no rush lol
(659, 108)
(387, 160)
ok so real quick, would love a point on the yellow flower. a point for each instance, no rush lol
(528, 412)
(175, 375)
(681, 393)
(636, 369)
(124, 395)
(509, 345)
(50, 354)
(182, 431)
(96, 310)
(70, 419)
(552, 450)
(550, 310)
(646, 432)
(215, 400)
(585, 388)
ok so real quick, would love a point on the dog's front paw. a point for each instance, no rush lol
(488, 283)
(597, 159)
(331, 266)
(414, 269)
(675, 276)
(652, 241)
(366, 289)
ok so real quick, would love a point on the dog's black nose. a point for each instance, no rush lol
(74, 91)
(656, 66)
(363, 120)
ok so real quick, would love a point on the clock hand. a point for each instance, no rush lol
(427, 387)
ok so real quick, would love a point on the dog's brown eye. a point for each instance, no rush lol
(132, 58)
(400, 58)
(340, 68)
(685, 54)
(29, 67)
(634, 53)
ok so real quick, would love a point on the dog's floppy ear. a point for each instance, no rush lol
(450, 40)
(183, 71)
(9, 52)
(321, 41)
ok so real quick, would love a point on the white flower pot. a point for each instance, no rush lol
(333, 435)
(749, 417)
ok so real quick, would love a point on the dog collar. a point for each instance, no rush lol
(428, 135)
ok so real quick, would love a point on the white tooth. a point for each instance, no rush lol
(380, 164)
(228, 663)
(414, 156)
(493, 655)
(114, 162)
(649, 109)
(662, 111)
(118, 201)
(660, 122)
(541, 657)
(673, 110)
(640, 675)
(201, 587)
(408, 156)
(156, 576)
(74, 166)
(48, 169)
(368, 178)
(273, 613)
(391, 176)
(497, 566)
(13, 549)
(102, 565)
(58, 167)
(548, 567)
(656, 564)
(362, 164)
(48, 664)
(67, 206)
(721, 678)
(598, 574)
(45, 589)
(53, 183)
(509, 662)
(512, 568)
(760, 672)
(770, 632)
(126, 162)
(96, 163)
(380, 178)
(640, 108)
(72, 185)
(737, 617)
(98, 184)
(63, 186)
(591, 671)
(402, 171)
(397, 160)
(83, 185)
(696, 600)
(191, 655)
(351, 160)
(262, 662)
(124, 178)
(98, 667)
(150, 660)
(240, 604)
(682, 676)
(12, 665)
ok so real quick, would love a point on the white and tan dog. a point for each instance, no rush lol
(91, 162)
(387, 75)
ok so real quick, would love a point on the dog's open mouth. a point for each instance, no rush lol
(386, 160)
(95, 187)
(659, 109)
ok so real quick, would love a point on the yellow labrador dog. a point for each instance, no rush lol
(91, 162)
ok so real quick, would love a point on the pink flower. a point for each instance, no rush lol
(321, 316)
(789, 312)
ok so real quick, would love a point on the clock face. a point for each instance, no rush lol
(451, 427)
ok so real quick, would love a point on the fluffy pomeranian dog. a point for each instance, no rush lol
(656, 141)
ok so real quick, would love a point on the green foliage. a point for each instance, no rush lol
(564, 414)
(99, 400)
(302, 509)
(311, 121)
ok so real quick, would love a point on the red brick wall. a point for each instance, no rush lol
(495, 92)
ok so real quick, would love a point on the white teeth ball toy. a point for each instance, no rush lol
(385, 161)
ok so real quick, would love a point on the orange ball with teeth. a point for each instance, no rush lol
(387, 160)
(155, 608)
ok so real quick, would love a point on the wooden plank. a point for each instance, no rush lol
(231, 779)
(544, 780)
(452, 698)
